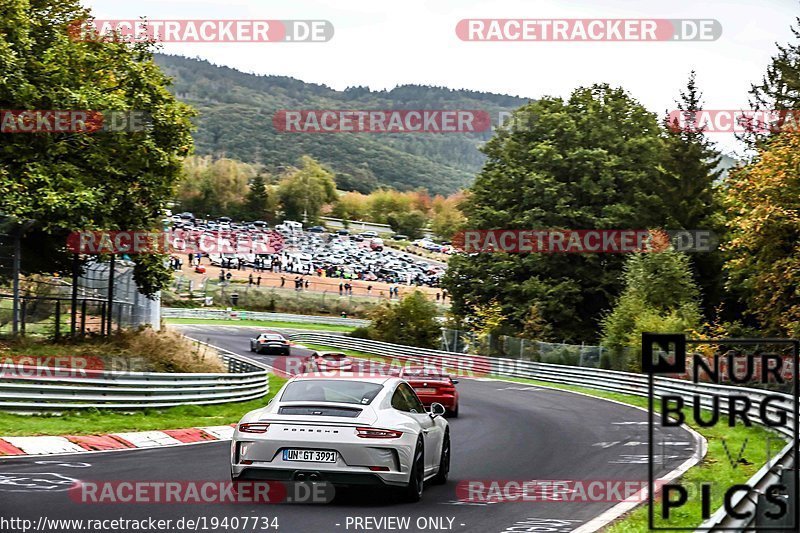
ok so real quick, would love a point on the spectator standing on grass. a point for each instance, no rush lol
(228, 275)
(307, 284)
(283, 281)
(341, 288)
(250, 280)
(191, 258)
(369, 288)
(438, 297)
(258, 281)
(221, 275)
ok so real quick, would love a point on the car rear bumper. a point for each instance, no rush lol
(273, 348)
(263, 456)
(370, 479)
(448, 400)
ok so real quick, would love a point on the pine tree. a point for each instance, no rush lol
(691, 164)
(780, 86)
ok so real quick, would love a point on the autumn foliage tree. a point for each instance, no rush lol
(763, 204)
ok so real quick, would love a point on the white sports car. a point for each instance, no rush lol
(344, 430)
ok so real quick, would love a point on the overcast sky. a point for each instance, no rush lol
(384, 43)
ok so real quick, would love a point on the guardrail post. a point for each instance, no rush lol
(83, 317)
(74, 306)
(57, 331)
(22, 312)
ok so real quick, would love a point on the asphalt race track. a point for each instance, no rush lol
(505, 431)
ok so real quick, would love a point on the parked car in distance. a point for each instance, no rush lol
(399, 237)
(432, 386)
(270, 342)
(316, 229)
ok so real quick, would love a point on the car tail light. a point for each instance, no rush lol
(375, 433)
(379, 468)
(253, 428)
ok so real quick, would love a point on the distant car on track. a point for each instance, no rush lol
(432, 386)
(270, 342)
(344, 430)
(326, 361)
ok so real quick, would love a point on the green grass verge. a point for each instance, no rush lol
(715, 468)
(92, 422)
(260, 324)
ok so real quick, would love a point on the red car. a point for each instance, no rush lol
(431, 385)
(325, 361)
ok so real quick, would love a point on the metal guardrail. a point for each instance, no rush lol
(202, 313)
(47, 389)
(607, 380)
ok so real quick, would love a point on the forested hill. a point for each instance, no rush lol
(236, 112)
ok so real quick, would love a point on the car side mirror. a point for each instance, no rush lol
(455, 381)
(437, 409)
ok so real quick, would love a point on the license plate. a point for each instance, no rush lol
(310, 456)
(426, 391)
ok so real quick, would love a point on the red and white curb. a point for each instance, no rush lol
(16, 446)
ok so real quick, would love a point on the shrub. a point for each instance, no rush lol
(412, 321)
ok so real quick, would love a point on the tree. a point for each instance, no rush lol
(259, 203)
(691, 164)
(592, 161)
(780, 86)
(304, 191)
(215, 187)
(659, 296)
(763, 203)
(447, 220)
(72, 181)
(351, 206)
(410, 223)
(412, 321)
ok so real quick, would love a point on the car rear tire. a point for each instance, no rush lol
(453, 413)
(444, 462)
(252, 348)
(416, 481)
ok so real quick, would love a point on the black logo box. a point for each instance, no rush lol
(677, 343)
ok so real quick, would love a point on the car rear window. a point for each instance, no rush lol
(329, 390)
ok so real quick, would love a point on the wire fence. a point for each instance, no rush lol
(48, 307)
(583, 355)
